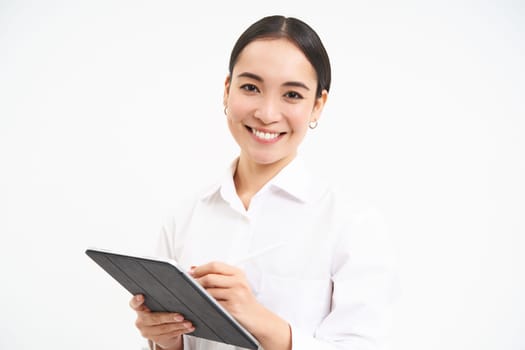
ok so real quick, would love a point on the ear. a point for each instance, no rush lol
(227, 82)
(318, 106)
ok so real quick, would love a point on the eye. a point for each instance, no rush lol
(249, 88)
(293, 95)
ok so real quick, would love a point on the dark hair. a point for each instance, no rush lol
(299, 33)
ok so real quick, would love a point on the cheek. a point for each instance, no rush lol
(299, 118)
(238, 108)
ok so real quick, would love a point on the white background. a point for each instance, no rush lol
(109, 110)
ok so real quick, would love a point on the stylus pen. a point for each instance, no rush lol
(257, 253)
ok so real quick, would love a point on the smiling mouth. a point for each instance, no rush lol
(267, 136)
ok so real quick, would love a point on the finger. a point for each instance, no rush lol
(137, 303)
(214, 267)
(217, 281)
(168, 330)
(220, 294)
(149, 319)
(238, 292)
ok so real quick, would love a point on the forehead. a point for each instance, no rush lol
(275, 59)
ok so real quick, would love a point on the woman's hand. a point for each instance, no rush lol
(163, 328)
(229, 286)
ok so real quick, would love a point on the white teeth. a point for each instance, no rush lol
(265, 135)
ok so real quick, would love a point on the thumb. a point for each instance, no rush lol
(137, 303)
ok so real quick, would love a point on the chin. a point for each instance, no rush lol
(264, 160)
(269, 159)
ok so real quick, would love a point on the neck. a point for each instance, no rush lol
(250, 177)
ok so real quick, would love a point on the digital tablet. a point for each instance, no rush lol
(168, 288)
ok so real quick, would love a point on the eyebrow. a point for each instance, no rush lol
(260, 79)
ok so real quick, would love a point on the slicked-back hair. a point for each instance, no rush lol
(297, 32)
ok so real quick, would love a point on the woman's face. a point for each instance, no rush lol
(270, 99)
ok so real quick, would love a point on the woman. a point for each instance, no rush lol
(295, 264)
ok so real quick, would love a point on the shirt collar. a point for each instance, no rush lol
(224, 184)
(295, 179)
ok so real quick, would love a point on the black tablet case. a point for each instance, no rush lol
(168, 289)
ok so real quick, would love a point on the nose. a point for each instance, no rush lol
(268, 111)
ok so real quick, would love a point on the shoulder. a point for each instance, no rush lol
(184, 205)
(346, 205)
(184, 202)
(175, 225)
(356, 221)
(335, 191)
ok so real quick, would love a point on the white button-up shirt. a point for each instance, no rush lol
(315, 258)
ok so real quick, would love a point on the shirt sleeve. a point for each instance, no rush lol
(365, 287)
